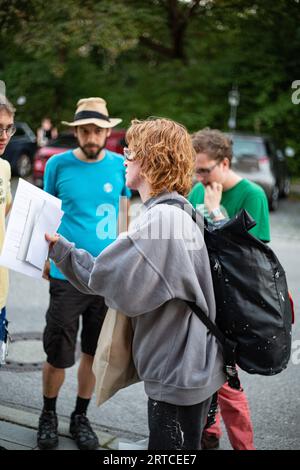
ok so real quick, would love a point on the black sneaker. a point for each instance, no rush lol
(82, 432)
(47, 436)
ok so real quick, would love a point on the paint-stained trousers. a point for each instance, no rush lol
(235, 412)
(174, 427)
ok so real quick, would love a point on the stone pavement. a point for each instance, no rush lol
(18, 430)
(276, 421)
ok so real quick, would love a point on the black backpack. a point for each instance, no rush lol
(253, 311)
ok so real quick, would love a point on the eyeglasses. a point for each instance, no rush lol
(10, 131)
(205, 171)
(128, 154)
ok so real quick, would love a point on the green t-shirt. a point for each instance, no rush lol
(244, 195)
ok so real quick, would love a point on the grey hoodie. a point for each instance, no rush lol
(148, 273)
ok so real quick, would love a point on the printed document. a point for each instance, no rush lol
(34, 212)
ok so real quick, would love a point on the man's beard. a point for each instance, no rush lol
(92, 155)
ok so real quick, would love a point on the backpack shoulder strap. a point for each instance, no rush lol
(228, 346)
(197, 310)
(177, 202)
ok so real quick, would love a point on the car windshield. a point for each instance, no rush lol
(248, 147)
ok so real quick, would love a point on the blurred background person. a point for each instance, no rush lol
(46, 132)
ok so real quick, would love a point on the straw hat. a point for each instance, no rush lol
(93, 111)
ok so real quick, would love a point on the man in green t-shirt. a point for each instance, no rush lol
(219, 193)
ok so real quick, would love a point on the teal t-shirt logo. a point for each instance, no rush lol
(108, 187)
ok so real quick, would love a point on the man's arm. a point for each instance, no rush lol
(50, 178)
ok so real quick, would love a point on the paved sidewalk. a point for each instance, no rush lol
(18, 430)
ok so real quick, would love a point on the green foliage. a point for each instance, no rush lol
(156, 57)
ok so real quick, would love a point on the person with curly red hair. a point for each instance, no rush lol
(149, 273)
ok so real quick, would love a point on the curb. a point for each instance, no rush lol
(30, 420)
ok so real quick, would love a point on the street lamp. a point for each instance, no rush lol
(233, 100)
(2, 88)
(21, 100)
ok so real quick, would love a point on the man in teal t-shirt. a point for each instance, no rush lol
(221, 193)
(90, 192)
(89, 180)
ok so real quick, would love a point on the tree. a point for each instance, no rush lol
(173, 58)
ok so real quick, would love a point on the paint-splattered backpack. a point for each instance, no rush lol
(254, 314)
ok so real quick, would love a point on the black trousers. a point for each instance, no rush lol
(174, 427)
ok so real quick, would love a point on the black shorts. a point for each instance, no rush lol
(67, 304)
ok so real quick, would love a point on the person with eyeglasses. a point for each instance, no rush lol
(161, 263)
(220, 193)
(7, 130)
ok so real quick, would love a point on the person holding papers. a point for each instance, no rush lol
(7, 130)
(89, 180)
(150, 273)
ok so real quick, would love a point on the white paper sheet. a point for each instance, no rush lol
(34, 209)
(34, 212)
